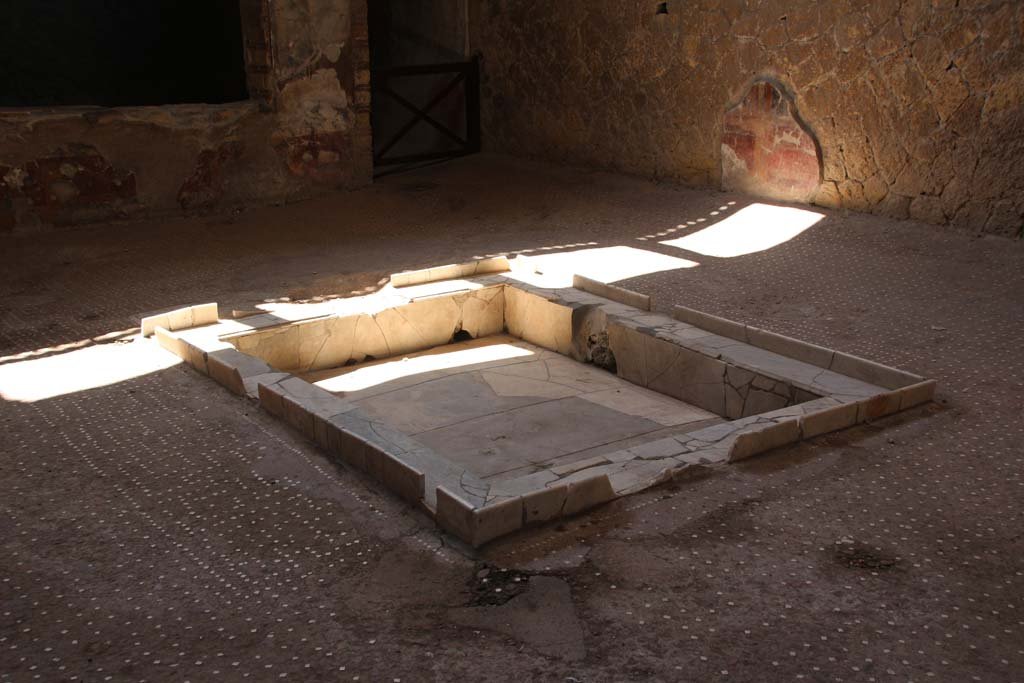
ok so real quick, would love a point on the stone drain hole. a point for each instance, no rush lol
(461, 336)
(601, 354)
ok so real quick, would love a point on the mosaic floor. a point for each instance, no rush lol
(154, 527)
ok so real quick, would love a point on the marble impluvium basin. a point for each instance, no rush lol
(493, 403)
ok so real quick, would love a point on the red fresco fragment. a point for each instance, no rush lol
(765, 149)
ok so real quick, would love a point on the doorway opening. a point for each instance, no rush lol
(426, 88)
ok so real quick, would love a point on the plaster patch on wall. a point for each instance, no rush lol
(70, 176)
(317, 156)
(205, 186)
(307, 32)
(313, 125)
(316, 103)
(15, 178)
(333, 52)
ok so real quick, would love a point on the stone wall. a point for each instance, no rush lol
(305, 130)
(917, 105)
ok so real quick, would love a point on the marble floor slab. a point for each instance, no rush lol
(502, 407)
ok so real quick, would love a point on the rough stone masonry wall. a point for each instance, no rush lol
(305, 130)
(918, 105)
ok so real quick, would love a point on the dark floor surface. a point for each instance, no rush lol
(158, 528)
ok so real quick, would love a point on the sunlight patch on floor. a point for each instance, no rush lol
(604, 264)
(755, 228)
(81, 370)
(366, 376)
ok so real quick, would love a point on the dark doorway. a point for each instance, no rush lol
(120, 52)
(425, 88)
